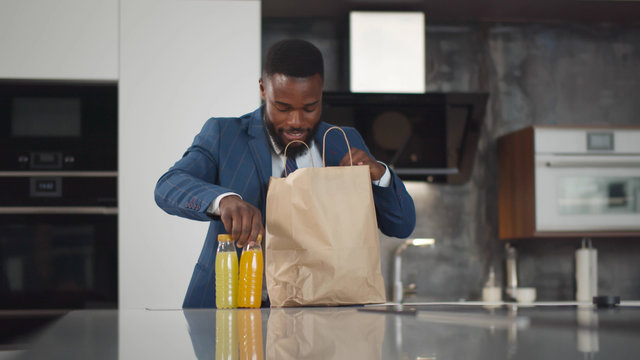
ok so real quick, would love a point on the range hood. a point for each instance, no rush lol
(426, 137)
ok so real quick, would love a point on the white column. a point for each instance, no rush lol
(181, 62)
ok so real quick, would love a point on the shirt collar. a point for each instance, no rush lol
(273, 146)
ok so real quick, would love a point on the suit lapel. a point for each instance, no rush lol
(260, 149)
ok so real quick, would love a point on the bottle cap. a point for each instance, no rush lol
(224, 237)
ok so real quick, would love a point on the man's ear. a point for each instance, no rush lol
(261, 88)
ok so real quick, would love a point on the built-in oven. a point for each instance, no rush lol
(52, 125)
(58, 195)
(59, 260)
(587, 179)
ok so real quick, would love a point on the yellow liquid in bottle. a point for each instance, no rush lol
(226, 280)
(250, 282)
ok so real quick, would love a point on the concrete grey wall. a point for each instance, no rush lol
(536, 74)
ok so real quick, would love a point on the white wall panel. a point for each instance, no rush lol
(181, 62)
(61, 39)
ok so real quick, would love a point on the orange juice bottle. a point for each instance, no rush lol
(250, 281)
(226, 273)
(250, 334)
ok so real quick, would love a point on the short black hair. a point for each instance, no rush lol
(294, 57)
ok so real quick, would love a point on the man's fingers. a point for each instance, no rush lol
(227, 221)
(236, 230)
(256, 228)
(360, 157)
(346, 160)
(242, 220)
(245, 228)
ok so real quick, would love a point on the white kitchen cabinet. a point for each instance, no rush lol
(59, 40)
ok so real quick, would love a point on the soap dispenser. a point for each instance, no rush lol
(491, 292)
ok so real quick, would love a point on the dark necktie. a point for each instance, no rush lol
(290, 166)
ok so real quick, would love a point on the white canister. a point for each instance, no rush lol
(586, 272)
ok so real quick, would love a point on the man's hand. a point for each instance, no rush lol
(360, 157)
(241, 219)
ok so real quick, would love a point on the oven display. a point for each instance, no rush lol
(46, 117)
(600, 141)
(46, 160)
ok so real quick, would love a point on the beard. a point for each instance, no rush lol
(295, 149)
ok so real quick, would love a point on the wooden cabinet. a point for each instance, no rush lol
(516, 194)
(59, 40)
(569, 182)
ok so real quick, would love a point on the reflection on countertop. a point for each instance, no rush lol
(424, 331)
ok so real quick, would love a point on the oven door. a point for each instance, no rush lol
(587, 193)
(58, 257)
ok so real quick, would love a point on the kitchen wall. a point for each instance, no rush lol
(536, 74)
(565, 74)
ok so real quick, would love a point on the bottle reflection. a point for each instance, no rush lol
(512, 333)
(587, 332)
(226, 334)
(239, 334)
(250, 334)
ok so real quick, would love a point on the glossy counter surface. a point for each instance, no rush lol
(419, 332)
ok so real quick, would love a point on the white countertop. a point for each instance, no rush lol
(435, 330)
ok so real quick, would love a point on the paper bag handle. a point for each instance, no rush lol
(324, 138)
(284, 161)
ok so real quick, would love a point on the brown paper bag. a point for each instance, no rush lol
(321, 243)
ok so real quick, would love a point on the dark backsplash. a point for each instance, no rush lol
(562, 74)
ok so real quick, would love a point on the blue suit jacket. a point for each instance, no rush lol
(232, 154)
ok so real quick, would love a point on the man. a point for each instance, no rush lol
(223, 177)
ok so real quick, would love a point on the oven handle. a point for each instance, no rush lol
(55, 210)
(590, 164)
